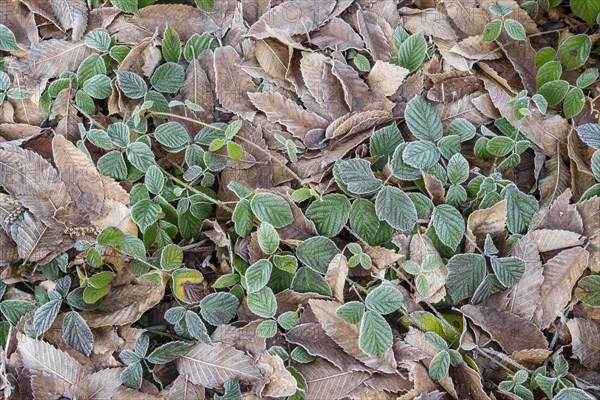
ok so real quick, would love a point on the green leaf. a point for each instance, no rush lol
(257, 275)
(499, 146)
(589, 134)
(196, 327)
(262, 303)
(357, 175)
(362, 63)
(574, 51)
(365, 223)
(154, 180)
(119, 134)
(92, 295)
(267, 328)
(128, 6)
(588, 290)
(540, 102)
(171, 45)
(242, 218)
(351, 312)
(98, 87)
(272, 209)
(412, 52)
(317, 252)
(5, 81)
(448, 224)
(520, 209)
(596, 165)
(172, 136)
(168, 78)
(8, 42)
(286, 262)
(14, 310)
(113, 164)
(219, 308)
(465, 273)
(500, 10)
(197, 44)
(421, 154)
(396, 208)
(234, 150)
(85, 102)
(384, 299)
(458, 169)
(422, 120)
(329, 214)
(588, 77)
(45, 315)
(572, 394)
(206, 5)
(554, 92)
(300, 355)
(119, 52)
(384, 141)
(171, 257)
(509, 270)
(77, 334)
(307, 280)
(132, 376)
(90, 67)
(436, 341)
(144, 213)
(514, 29)
(463, 128)
(574, 102)
(492, 30)
(268, 238)
(168, 352)
(550, 71)
(101, 279)
(438, 368)
(585, 9)
(544, 55)
(402, 170)
(98, 40)
(140, 156)
(449, 146)
(132, 85)
(375, 336)
(288, 320)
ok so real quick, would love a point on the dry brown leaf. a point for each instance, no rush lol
(346, 335)
(357, 122)
(336, 275)
(281, 382)
(327, 382)
(468, 383)
(337, 35)
(186, 20)
(8, 249)
(429, 21)
(511, 332)
(71, 14)
(385, 78)
(357, 94)
(213, 365)
(462, 108)
(183, 389)
(531, 358)
(233, 85)
(560, 215)
(466, 16)
(292, 18)
(273, 57)
(586, 341)
(453, 89)
(590, 214)
(377, 34)
(297, 120)
(38, 241)
(100, 385)
(480, 223)
(552, 239)
(556, 181)
(143, 58)
(21, 22)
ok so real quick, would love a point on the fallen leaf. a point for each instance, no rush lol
(327, 382)
(233, 85)
(71, 14)
(336, 275)
(386, 78)
(586, 345)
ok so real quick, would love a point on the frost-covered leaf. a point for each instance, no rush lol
(317, 252)
(449, 225)
(422, 120)
(465, 273)
(375, 334)
(77, 334)
(358, 177)
(273, 209)
(384, 299)
(396, 208)
(329, 214)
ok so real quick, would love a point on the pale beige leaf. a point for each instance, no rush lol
(338, 35)
(45, 60)
(98, 386)
(556, 181)
(553, 239)
(560, 275)
(357, 122)
(475, 48)
(281, 382)
(292, 18)
(233, 85)
(480, 223)
(421, 247)
(429, 21)
(184, 19)
(586, 341)
(467, 16)
(325, 88)
(560, 215)
(72, 14)
(462, 108)
(377, 34)
(357, 94)
(523, 298)
(183, 389)
(314, 339)
(273, 57)
(511, 332)
(33, 181)
(386, 78)
(42, 357)
(336, 275)
(346, 335)
(282, 110)
(213, 365)
(590, 214)
(37, 240)
(327, 382)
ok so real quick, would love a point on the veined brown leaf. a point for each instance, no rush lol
(338, 35)
(8, 249)
(281, 383)
(183, 389)
(273, 57)
(469, 19)
(385, 78)
(279, 109)
(38, 241)
(21, 22)
(143, 58)
(213, 365)
(356, 122)
(377, 34)
(430, 21)
(101, 385)
(185, 20)
(560, 275)
(72, 14)
(233, 85)
(554, 239)
(327, 382)
(561, 215)
(325, 88)
(336, 275)
(346, 336)
(357, 94)
(590, 214)
(586, 341)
